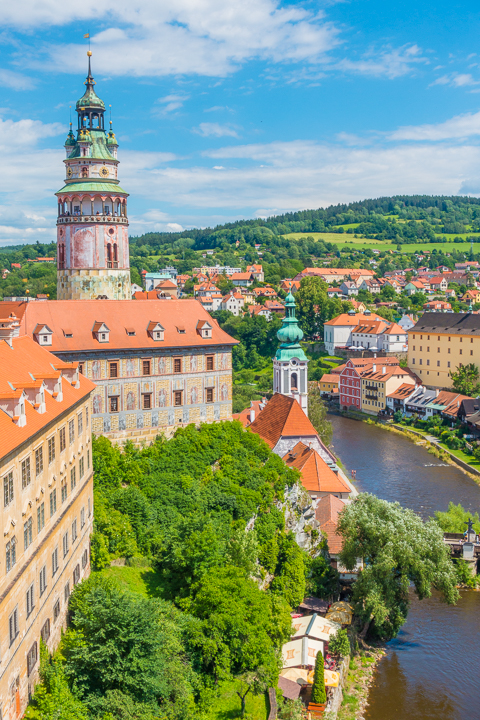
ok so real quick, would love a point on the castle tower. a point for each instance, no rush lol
(290, 371)
(92, 224)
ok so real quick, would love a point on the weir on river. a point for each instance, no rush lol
(432, 669)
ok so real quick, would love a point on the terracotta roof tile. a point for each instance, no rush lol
(282, 417)
(328, 509)
(118, 314)
(316, 475)
(17, 364)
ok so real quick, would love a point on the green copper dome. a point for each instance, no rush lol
(111, 139)
(290, 334)
(90, 98)
(70, 141)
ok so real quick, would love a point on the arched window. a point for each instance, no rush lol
(115, 252)
(109, 252)
(294, 381)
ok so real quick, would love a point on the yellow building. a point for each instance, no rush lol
(440, 342)
(378, 381)
(47, 509)
(329, 384)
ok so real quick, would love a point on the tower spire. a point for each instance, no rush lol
(290, 365)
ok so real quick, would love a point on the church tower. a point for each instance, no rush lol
(290, 371)
(92, 224)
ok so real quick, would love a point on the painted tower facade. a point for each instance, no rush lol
(92, 225)
(290, 365)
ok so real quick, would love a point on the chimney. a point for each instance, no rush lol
(9, 328)
(375, 367)
(252, 414)
(384, 370)
(437, 392)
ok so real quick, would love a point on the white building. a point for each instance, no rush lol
(233, 302)
(338, 331)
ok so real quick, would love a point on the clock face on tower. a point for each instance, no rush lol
(104, 172)
(69, 172)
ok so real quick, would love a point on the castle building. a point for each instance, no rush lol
(46, 511)
(290, 365)
(92, 224)
(157, 364)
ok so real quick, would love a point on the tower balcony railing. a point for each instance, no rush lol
(79, 218)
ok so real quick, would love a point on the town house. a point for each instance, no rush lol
(47, 509)
(157, 365)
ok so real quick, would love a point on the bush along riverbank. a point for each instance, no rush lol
(361, 673)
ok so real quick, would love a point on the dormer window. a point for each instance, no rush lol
(130, 331)
(155, 330)
(43, 334)
(204, 329)
(101, 332)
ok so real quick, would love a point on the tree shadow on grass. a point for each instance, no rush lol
(153, 583)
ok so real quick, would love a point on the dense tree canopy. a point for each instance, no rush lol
(398, 549)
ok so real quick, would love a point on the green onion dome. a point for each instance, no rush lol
(290, 334)
(70, 141)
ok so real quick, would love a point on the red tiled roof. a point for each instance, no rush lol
(346, 319)
(316, 475)
(117, 315)
(282, 417)
(328, 509)
(402, 392)
(17, 364)
(244, 416)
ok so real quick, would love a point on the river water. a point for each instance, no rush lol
(432, 669)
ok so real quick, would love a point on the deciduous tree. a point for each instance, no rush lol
(399, 549)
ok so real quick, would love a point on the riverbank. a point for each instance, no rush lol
(438, 449)
(361, 673)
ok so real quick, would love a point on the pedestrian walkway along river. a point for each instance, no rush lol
(431, 671)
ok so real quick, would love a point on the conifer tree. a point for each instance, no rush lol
(319, 696)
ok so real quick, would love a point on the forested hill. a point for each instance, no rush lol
(401, 218)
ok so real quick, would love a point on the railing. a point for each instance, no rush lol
(371, 396)
(63, 219)
(371, 387)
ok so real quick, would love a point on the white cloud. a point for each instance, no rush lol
(158, 37)
(306, 174)
(461, 126)
(24, 133)
(15, 80)
(215, 130)
(389, 62)
(170, 103)
(456, 80)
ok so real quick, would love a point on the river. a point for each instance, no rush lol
(432, 669)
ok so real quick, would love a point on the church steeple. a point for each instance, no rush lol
(290, 365)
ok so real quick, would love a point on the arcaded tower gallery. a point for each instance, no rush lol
(92, 225)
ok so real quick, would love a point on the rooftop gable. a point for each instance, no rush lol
(282, 417)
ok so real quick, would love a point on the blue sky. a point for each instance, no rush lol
(228, 109)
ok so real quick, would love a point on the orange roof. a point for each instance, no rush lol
(371, 328)
(316, 475)
(282, 417)
(330, 378)
(394, 329)
(327, 512)
(244, 416)
(166, 284)
(346, 319)
(370, 374)
(402, 392)
(337, 271)
(17, 365)
(81, 315)
(240, 276)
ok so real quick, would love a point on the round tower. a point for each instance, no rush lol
(92, 224)
(290, 365)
